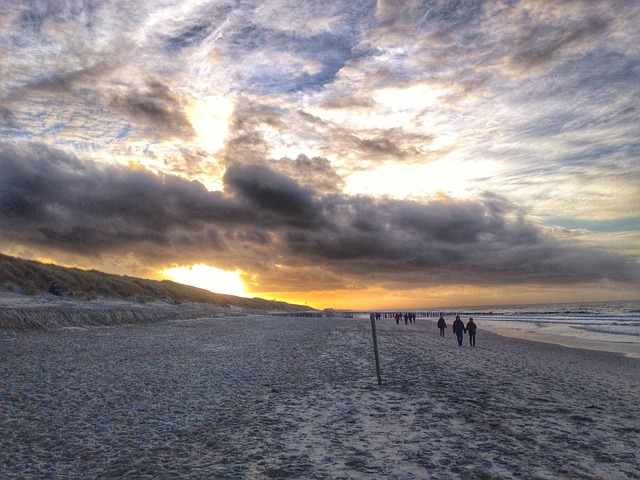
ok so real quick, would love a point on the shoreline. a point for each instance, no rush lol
(45, 312)
(630, 350)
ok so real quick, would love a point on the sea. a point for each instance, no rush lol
(615, 321)
(611, 321)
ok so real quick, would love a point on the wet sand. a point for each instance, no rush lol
(263, 397)
(628, 349)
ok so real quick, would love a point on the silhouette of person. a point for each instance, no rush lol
(442, 325)
(458, 329)
(471, 330)
(54, 290)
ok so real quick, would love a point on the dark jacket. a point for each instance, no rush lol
(458, 326)
(442, 323)
(471, 327)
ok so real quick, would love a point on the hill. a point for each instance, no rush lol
(93, 297)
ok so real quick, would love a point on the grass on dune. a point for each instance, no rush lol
(31, 277)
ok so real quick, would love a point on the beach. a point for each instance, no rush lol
(252, 396)
(628, 349)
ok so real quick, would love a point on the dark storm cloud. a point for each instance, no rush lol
(264, 217)
(271, 193)
(52, 198)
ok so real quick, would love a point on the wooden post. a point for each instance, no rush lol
(375, 347)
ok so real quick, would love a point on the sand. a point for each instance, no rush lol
(261, 397)
(628, 349)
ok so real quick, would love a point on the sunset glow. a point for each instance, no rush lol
(210, 120)
(209, 278)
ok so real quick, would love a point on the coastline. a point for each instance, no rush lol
(631, 350)
(45, 312)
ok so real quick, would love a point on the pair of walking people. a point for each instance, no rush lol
(459, 329)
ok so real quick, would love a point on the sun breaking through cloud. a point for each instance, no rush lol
(209, 278)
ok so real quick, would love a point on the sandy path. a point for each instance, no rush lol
(259, 397)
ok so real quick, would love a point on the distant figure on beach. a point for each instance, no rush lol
(54, 290)
(471, 330)
(458, 329)
(442, 325)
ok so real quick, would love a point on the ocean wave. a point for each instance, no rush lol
(605, 330)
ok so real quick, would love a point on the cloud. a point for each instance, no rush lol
(254, 123)
(537, 46)
(289, 47)
(275, 196)
(246, 142)
(157, 107)
(57, 45)
(78, 205)
(7, 118)
(316, 173)
(265, 218)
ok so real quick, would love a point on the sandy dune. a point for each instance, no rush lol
(46, 312)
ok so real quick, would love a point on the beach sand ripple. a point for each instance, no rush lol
(264, 397)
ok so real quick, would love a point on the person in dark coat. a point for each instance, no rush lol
(458, 329)
(471, 330)
(442, 325)
(54, 290)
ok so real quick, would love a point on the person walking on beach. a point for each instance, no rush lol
(458, 329)
(471, 330)
(442, 325)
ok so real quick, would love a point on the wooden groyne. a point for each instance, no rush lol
(365, 314)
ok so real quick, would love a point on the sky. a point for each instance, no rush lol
(352, 154)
